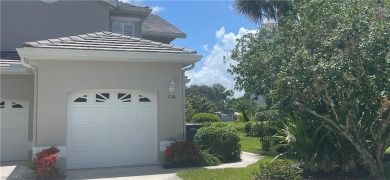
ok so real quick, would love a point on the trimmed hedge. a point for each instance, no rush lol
(220, 140)
(205, 117)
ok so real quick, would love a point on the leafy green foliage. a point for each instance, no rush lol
(248, 127)
(208, 159)
(205, 117)
(279, 169)
(219, 139)
(207, 99)
(242, 105)
(330, 63)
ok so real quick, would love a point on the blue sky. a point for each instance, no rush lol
(211, 27)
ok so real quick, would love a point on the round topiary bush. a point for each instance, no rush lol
(220, 140)
(205, 117)
(247, 127)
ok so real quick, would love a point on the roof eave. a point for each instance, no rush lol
(101, 55)
(112, 3)
(164, 34)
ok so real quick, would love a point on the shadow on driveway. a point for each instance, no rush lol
(125, 172)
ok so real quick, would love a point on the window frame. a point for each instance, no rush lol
(122, 21)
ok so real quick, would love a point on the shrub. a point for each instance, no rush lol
(279, 169)
(266, 143)
(184, 153)
(247, 127)
(208, 159)
(267, 115)
(220, 140)
(43, 164)
(205, 117)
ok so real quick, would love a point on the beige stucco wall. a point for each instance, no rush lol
(19, 87)
(57, 78)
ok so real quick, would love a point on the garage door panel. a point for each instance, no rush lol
(113, 132)
(125, 156)
(4, 137)
(4, 120)
(17, 120)
(102, 157)
(125, 116)
(101, 138)
(145, 117)
(145, 155)
(19, 137)
(102, 117)
(79, 117)
(79, 139)
(144, 138)
(13, 153)
(13, 130)
(79, 158)
(124, 138)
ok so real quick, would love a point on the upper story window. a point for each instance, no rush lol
(123, 25)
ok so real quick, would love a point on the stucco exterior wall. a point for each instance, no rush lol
(20, 87)
(33, 20)
(57, 78)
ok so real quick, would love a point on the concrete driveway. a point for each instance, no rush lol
(16, 170)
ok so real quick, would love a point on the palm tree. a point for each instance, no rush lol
(257, 10)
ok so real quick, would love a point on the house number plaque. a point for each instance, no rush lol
(171, 96)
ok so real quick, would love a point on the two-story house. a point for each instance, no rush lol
(98, 79)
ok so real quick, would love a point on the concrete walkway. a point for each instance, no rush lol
(16, 170)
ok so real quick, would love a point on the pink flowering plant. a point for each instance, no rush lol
(43, 164)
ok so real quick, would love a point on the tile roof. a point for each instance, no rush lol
(132, 5)
(154, 24)
(108, 41)
(9, 59)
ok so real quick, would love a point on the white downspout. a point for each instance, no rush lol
(34, 69)
(188, 68)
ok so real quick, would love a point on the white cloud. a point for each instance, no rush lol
(206, 47)
(214, 70)
(157, 9)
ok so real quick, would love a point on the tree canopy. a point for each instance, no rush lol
(210, 99)
(329, 61)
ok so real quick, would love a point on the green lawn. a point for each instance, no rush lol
(225, 174)
(248, 144)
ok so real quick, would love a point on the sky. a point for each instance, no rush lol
(212, 28)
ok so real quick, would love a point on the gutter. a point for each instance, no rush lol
(34, 69)
(187, 68)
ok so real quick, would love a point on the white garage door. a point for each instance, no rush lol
(111, 128)
(14, 130)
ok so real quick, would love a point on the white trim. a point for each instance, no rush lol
(102, 55)
(62, 149)
(119, 18)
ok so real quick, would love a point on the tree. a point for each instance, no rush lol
(256, 10)
(330, 60)
(210, 99)
(242, 105)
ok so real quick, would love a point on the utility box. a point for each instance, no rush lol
(191, 130)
